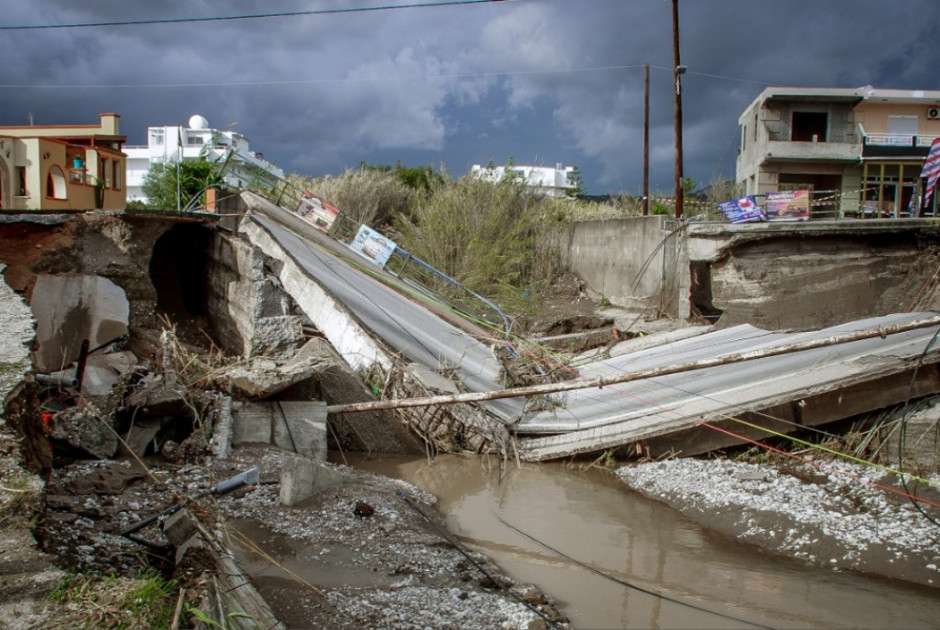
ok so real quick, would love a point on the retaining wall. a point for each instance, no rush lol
(774, 275)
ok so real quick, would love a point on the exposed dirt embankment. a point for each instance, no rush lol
(809, 280)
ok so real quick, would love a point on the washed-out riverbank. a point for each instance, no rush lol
(614, 558)
(834, 513)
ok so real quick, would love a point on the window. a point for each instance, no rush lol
(55, 184)
(104, 172)
(156, 137)
(809, 127)
(902, 125)
(116, 174)
(21, 181)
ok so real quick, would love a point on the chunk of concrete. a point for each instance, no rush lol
(83, 430)
(300, 426)
(141, 434)
(264, 377)
(70, 309)
(302, 477)
(297, 426)
(252, 423)
(103, 371)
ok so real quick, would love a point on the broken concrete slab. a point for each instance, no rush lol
(337, 383)
(100, 375)
(277, 336)
(110, 478)
(431, 380)
(159, 395)
(262, 378)
(70, 309)
(220, 444)
(232, 596)
(299, 427)
(302, 428)
(82, 429)
(141, 435)
(303, 477)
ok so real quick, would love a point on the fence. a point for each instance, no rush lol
(833, 205)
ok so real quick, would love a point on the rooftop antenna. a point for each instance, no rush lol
(29, 116)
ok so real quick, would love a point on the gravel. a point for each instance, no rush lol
(834, 513)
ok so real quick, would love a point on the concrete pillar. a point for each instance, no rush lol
(300, 426)
(302, 477)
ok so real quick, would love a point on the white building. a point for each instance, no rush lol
(194, 142)
(550, 181)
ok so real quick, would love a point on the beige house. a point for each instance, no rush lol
(63, 167)
(859, 151)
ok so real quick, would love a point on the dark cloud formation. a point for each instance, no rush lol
(538, 81)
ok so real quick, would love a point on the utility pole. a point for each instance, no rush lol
(646, 140)
(678, 70)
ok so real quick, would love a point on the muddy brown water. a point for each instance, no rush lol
(591, 518)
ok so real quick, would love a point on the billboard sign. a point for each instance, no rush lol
(316, 211)
(741, 210)
(787, 205)
(373, 246)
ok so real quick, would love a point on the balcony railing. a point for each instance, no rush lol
(896, 145)
(898, 140)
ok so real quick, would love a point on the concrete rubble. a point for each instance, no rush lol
(147, 421)
(143, 429)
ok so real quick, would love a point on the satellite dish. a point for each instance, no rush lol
(198, 122)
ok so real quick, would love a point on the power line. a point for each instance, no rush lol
(248, 16)
(216, 84)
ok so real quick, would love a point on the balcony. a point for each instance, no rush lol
(813, 151)
(897, 146)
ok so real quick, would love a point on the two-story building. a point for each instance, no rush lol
(240, 166)
(550, 181)
(859, 151)
(63, 167)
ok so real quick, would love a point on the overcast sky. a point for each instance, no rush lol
(538, 81)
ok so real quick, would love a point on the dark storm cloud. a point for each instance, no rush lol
(540, 80)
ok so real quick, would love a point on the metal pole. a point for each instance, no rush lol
(646, 140)
(565, 386)
(676, 73)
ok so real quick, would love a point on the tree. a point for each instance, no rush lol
(160, 183)
(575, 179)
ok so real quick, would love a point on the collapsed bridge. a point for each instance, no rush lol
(685, 394)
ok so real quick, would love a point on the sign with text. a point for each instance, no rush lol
(787, 205)
(373, 245)
(741, 210)
(317, 211)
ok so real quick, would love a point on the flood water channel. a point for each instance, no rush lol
(594, 534)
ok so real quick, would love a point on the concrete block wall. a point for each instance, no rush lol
(299, 427)
(622, 260)
(250, 313)
(234, 267)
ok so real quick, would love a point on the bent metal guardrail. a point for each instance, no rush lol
(411, 269)
(428, 278)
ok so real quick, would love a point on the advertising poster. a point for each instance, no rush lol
(373, 245)
(741, 210)
(318, 212)
(788, 205)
